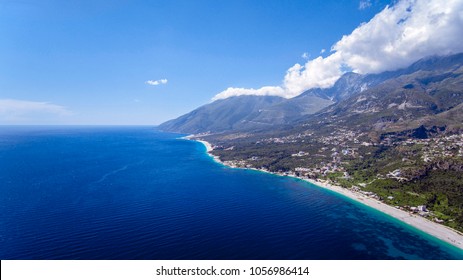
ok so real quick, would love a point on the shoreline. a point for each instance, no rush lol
(441, 232)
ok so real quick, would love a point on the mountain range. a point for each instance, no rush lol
(425, 93)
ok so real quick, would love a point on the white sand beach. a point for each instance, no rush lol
(442, 232)
(437, 230)
(207, 144)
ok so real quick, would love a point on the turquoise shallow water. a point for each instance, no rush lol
(135, 193)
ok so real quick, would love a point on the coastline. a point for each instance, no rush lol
(443, 233)
(439, 231)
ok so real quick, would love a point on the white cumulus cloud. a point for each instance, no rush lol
(404, 33)
(319, 72)
(394, 38)
(156, 82)
(231, 91)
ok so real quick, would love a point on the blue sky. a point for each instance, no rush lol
(90, 62)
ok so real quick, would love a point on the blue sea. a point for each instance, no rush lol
(136, 193)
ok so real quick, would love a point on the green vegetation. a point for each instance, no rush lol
(397, 174)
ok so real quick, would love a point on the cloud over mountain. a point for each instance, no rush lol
(404, 33)
(268, 90)
(395, 37)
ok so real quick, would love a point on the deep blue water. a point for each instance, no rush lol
(134, 193)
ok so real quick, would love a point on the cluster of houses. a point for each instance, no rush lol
(341, 137)
(300, 137)
(316, 172)
(397, 175)
(237, 163)
(441, 147)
